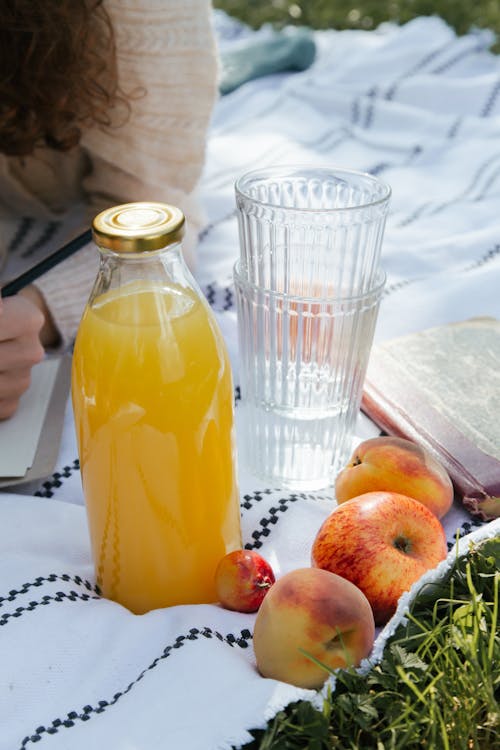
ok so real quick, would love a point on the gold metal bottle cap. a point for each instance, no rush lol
(138, 227)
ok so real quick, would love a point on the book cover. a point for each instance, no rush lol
(441, 388)
(30, 440)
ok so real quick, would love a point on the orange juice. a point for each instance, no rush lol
(153, 403)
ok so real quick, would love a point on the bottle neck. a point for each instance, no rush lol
(165, 266)
(150, 256)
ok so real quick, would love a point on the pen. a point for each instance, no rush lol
(33, 273)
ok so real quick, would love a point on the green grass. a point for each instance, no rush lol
(437, 686)
(462, 15)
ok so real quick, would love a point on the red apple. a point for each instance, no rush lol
(242, 579)
(382, 542)
(311, 612)
(396, 465)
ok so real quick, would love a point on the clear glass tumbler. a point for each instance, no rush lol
(311, 231)
(308, 288)
(302, 366)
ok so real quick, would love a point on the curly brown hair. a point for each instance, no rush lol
(57, 73)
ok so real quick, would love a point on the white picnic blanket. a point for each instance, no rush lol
(421, 108)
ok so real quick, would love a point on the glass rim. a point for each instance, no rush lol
(332, 171)
(375, 290)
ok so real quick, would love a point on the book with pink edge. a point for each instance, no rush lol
(441, 389)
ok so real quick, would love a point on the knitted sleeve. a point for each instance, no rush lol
(167, 65)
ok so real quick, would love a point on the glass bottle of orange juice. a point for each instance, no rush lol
(153, 403)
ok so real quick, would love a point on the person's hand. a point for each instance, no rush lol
(20, 348)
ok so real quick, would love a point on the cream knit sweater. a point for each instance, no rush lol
(166, 48)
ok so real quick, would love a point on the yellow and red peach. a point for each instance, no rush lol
(311, 612)
(396, 465)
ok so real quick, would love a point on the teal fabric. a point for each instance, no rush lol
(292, 49)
